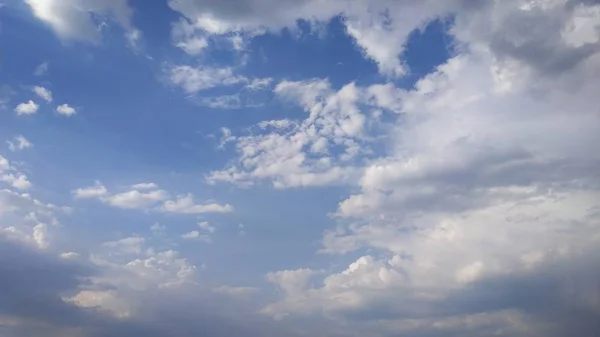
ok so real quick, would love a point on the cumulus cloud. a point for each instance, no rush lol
(472, 212)
(95, 191)
(19, 143)
(66, 110)
(487, 189)
(43, 93)
(27, 108)
(195, 79)
(321, 149)
(11, 175)
(147, 196)
(185, 204)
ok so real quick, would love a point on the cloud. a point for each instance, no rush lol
(486, 191)
(379, 28)
(207, 227)
(28, 108)
(73, 19)
(236, 291)
(20, 143)
(221, 102)
(316, 151)
(135, 199)
(43, 93)
(130, 245)
(147, 196)
(41, 69)
(185, 204)
(193, 80)
(259, 83)
(11, 175)
(96, 191)
(144, 186)
(66, 110)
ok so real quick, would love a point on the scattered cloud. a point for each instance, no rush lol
(147, 196)
(185, 204)
(96, 191)
(43, 93)
(193, 80)
(19, 143)
(66, 110)
(28, 108)
(41, 69)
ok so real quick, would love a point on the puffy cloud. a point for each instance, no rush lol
(192, 79)
(380, 28)
(11, 175)
(488, 189)
(20, 143)
(96, 191)
(66, 110)
(322, 149)
(146, 196)
(28, 108)
(27, 220)
(135, 199)
(207, 227)
(185, 204)
(74, 19)
(131, 245)
(145, 186)
(43, 93)
(191, 235)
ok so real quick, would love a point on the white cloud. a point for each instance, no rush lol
(207, 227)
(221, 102)
(192, 80)
(74, 19)
(41, 69)
(66, 110)
(191, 235)
(43, 93)
(130, 245)
(145, 186)
(196, 235)
(157, 228)
(69, 255)
(20, 143)
(13, 176)
(312, 152)
(96, 191)
(489, 183)
(135, 199)
(146, 196)
(185, 204)
(236, 291)
(18, 181)
(25, 219)
(28, 108)
(380, 28)
(259, 83)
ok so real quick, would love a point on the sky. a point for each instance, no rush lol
(327, 168)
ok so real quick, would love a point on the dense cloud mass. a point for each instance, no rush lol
(472, 203)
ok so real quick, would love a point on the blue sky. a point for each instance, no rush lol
(337, 168)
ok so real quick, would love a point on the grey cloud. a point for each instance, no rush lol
(33, 282)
